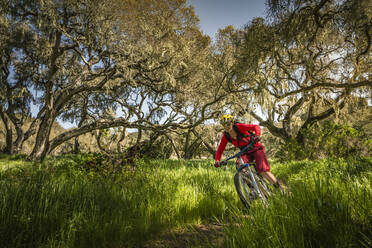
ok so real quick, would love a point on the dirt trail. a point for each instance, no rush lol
(202, 235)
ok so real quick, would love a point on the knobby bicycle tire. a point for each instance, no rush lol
(264, 188)
(244, 185)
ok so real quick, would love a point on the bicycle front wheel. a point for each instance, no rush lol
(244, 188)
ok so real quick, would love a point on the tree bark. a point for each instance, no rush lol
(41, 147)
(190, 146)
(208, 146)
(17, 123)
(288, 116)
(122, 137)
(19, 141)
(98, 139)
(9, 148)
(58, 140)
(173, 145)
(311, 120)
(76, 146)
(139, 136)
(83, 118)
(276, 131)
(190, 152)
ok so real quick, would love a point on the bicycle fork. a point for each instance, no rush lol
(253, 180)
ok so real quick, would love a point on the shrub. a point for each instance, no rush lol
(327, 140)
(149, 150)
(98, 163)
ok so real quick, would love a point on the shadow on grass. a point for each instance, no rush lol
(53, 210)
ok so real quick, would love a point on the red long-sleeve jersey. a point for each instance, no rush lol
(243, 128)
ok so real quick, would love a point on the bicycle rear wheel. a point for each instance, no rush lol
(264, 189)
(244, 188)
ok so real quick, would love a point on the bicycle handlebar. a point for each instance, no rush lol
(248, 147)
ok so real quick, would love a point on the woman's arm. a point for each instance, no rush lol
(221, 147)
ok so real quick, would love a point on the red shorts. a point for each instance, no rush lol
(262, 165)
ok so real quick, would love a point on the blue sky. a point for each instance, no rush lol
(215, 14)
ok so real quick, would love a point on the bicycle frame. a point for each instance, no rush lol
(248, 172)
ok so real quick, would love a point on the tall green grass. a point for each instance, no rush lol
(56, 204)
(330, 206)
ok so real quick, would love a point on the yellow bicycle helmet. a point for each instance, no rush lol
(226, 119)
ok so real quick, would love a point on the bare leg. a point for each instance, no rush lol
(269, 176)
(272, 179)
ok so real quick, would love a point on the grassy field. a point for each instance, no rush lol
(165, 203)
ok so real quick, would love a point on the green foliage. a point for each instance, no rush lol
(67, 208)
(56, 204)
(79, 50)
(8, 162)
(328, 140)
(330, 206)
(97, 164)
(94, 162)
(159, 149)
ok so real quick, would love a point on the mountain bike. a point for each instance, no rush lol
(249, 185)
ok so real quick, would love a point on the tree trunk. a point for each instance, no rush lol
(63, 137)
(208, 146)
(276, 131)
(190, 150)
(9, 148)
(20, 137)
(76, 146)
(41, 147)
(139, 136)
(311, 120)
(119, 144)
(32, 129)
(174, 146)
(98, 139)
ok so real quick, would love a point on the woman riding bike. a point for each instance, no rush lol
(238, 135)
